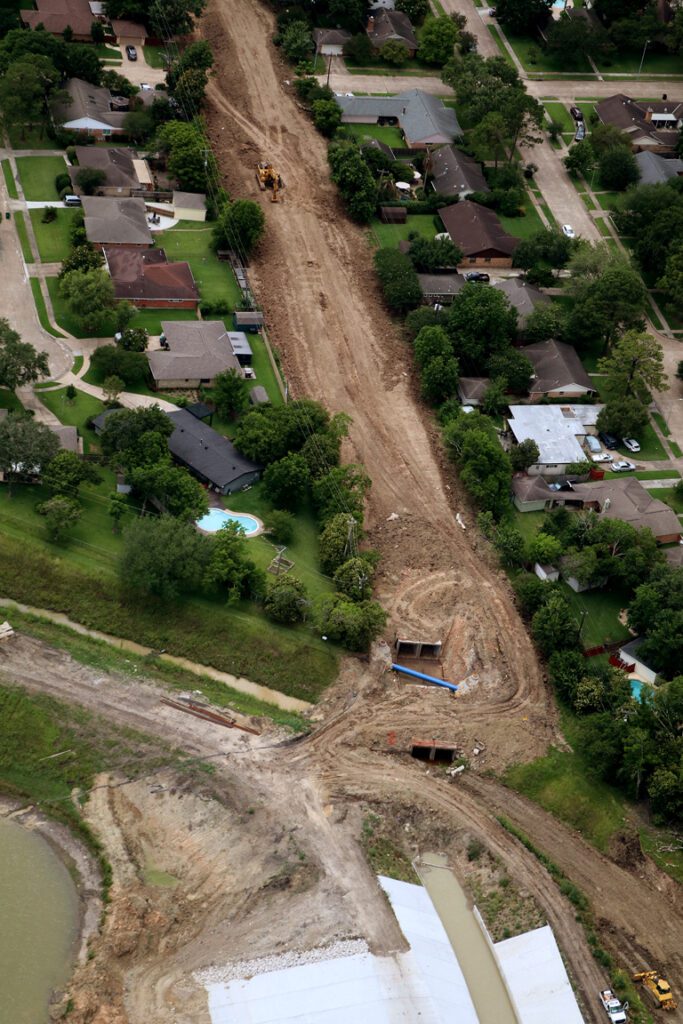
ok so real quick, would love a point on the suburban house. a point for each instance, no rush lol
(479, 233)
(91, 109)
(112, 221)
(56, 15)
(657, 170)
(440, 287)
(194, 353)
(558, 431)
(208, 455)
(631, 659)
(558, 371)
(395, 26)
(330, 41)
(125, 172)
(454, 173)
(625, 499)
(128, 33)
(189, 206)
(471, 390)
(648, 125)
(422, 118)
(523, 297)
(146, 278)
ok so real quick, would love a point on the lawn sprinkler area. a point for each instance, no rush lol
(216, 518)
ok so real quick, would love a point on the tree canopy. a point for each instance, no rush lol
(20, 364)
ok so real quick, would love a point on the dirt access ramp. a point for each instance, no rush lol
(314, 276)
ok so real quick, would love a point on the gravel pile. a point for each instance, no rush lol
(294, 958)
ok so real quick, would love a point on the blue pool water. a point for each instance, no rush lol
(637, 689)
(215, 518)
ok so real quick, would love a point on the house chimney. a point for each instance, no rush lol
(664, 96)
(371, 24)
(648, 115)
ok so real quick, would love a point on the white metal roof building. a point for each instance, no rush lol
(536, 978)
(557, 430)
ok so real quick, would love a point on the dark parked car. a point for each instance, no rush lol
(609, 440)
(576, 113)
(131, 53)
(477, 275)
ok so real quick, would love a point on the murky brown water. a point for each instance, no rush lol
(476, 960)
(39, 915)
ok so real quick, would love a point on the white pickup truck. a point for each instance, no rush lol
(615, 1010)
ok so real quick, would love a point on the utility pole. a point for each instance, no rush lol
(647, 43)
(329, 69)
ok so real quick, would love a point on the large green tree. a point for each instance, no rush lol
(398, 280)
(523, 17)
(437, 40)
(26, 447)
(19, 362)
(481, 322)
(66, 472)
(634, 368)
(287, 481)
(24, 90)
(229, 394)
(240, 226)
(90, 295)
(163, 557)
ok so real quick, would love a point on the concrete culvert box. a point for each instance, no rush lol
(410, 648)
(433, 750)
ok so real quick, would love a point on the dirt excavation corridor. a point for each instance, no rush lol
(262, 854)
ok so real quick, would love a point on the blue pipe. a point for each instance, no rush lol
(421, 675)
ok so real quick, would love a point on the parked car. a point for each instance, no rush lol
(576, 113)
(580, 133)
(602, 457)
(592, 444)
(568, 230)
(477, 275)
(630, 444)
(131, 53)
(609, 440)
(71, 200)
(622, 466)
(492, 12)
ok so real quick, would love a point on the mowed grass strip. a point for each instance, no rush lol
(53, 239)
(41, 309)
(22, 233)
(9, 180)
(37, 176)
(236, 639)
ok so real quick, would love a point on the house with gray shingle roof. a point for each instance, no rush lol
(558, 371)
(454, 173)
(113, 221)
(657, 170)
(386, 26)
(423, 119)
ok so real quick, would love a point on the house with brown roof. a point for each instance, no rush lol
(651, 126)
(194, 353)
(523, 297)
(385, 26)
(478, 232)
(440, 287)
(558, 371)
(471, 390)
(454, 173)
(91, 110)
(57, 15)
(330, 42)
(146, 278)
(125, 171)
(114, 221)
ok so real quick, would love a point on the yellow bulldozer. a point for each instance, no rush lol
(659, 989)
(268, 177)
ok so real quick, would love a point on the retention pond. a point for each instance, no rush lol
(475, 956)
(39, 913)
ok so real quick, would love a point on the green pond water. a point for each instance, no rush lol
(39, 915)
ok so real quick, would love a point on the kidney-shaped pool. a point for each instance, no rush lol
(216, 518)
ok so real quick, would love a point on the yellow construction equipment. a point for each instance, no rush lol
(659, 989)
(268, 177)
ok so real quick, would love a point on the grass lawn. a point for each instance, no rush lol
(150, 319)
(155, 56)
(676, 449)
(8, 400)
(53, 239)
(214, 277)
(566, 785)
(391, 234)
(609, 200)
(661, 423)
(385, 133)
(265, 375)
(533, 58)
(587, 107)
(37, 176)
(495, 32)
(559, 113)
(76, 413)
(669, 495)
(41, 309)
(523, 227)
(528, 523)
(111, 54)
(655, 474)
(588, 202)
(601, 607)
(654, 64)
(22, 232)
(303, 550)
(30, 138)
(650, 447)
(9, 180)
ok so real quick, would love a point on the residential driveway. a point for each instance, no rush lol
(670, 402)
(558, 191)
(477, 17)
(139, 71)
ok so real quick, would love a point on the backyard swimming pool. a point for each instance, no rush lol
(637, 689)
(216, 518)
